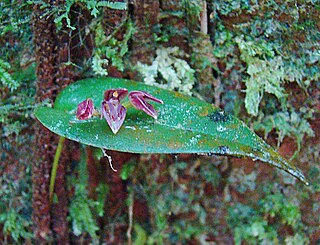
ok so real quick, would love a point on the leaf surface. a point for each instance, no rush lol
(185, 125)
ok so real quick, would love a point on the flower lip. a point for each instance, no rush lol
(138, 100)
(85, 109)
(114, 113)
(118, 93)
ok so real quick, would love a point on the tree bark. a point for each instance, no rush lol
(145, 15)
(45, 140)
(51, 50)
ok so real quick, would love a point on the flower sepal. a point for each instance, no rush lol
(85, 110)
(139, 101)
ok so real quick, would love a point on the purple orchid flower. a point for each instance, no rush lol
(85, 109)
(138, 100)
(112, 110)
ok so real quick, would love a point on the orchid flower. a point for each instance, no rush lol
(138, 100)
(112, 110)
(85, 109)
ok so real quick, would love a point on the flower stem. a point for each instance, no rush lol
(55, 167)
(126, 104)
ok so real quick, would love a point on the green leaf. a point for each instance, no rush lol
(184, 125)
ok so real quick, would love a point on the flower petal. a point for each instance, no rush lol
(85, 109)
(140, 104)
(114, 113)
(145, 95)
(138, 100)
(118, 93)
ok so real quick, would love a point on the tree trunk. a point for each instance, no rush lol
(145, 15)
(51, 50)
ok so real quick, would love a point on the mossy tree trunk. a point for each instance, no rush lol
(51, 50)
(145, 15)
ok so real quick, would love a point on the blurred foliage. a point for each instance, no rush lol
(15, 207)
(242, 181)
(265, 46)
(17, 70)
(286, 123)
(268, 47)
(15, 191)
(236, 7)
(17, 73)
(16, 106)
(174, 197)
(5, 76)
(83, 210)
(15, 29)
(62, 12)
(260, 222)
(108, 48)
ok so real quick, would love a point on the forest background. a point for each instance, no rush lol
(257, 60)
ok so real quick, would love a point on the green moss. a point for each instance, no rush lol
(15, 194)
(236, 7)
(241, 181)
(251, 224)
(109, 50)
(169, 71)
(62, 12)
(267, 53)
(5, 77)
(287, 123)
(15, 225)
(177, 214)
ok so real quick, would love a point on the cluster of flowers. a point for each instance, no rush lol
(112, 109)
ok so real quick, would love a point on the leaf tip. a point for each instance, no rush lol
(299, 175)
